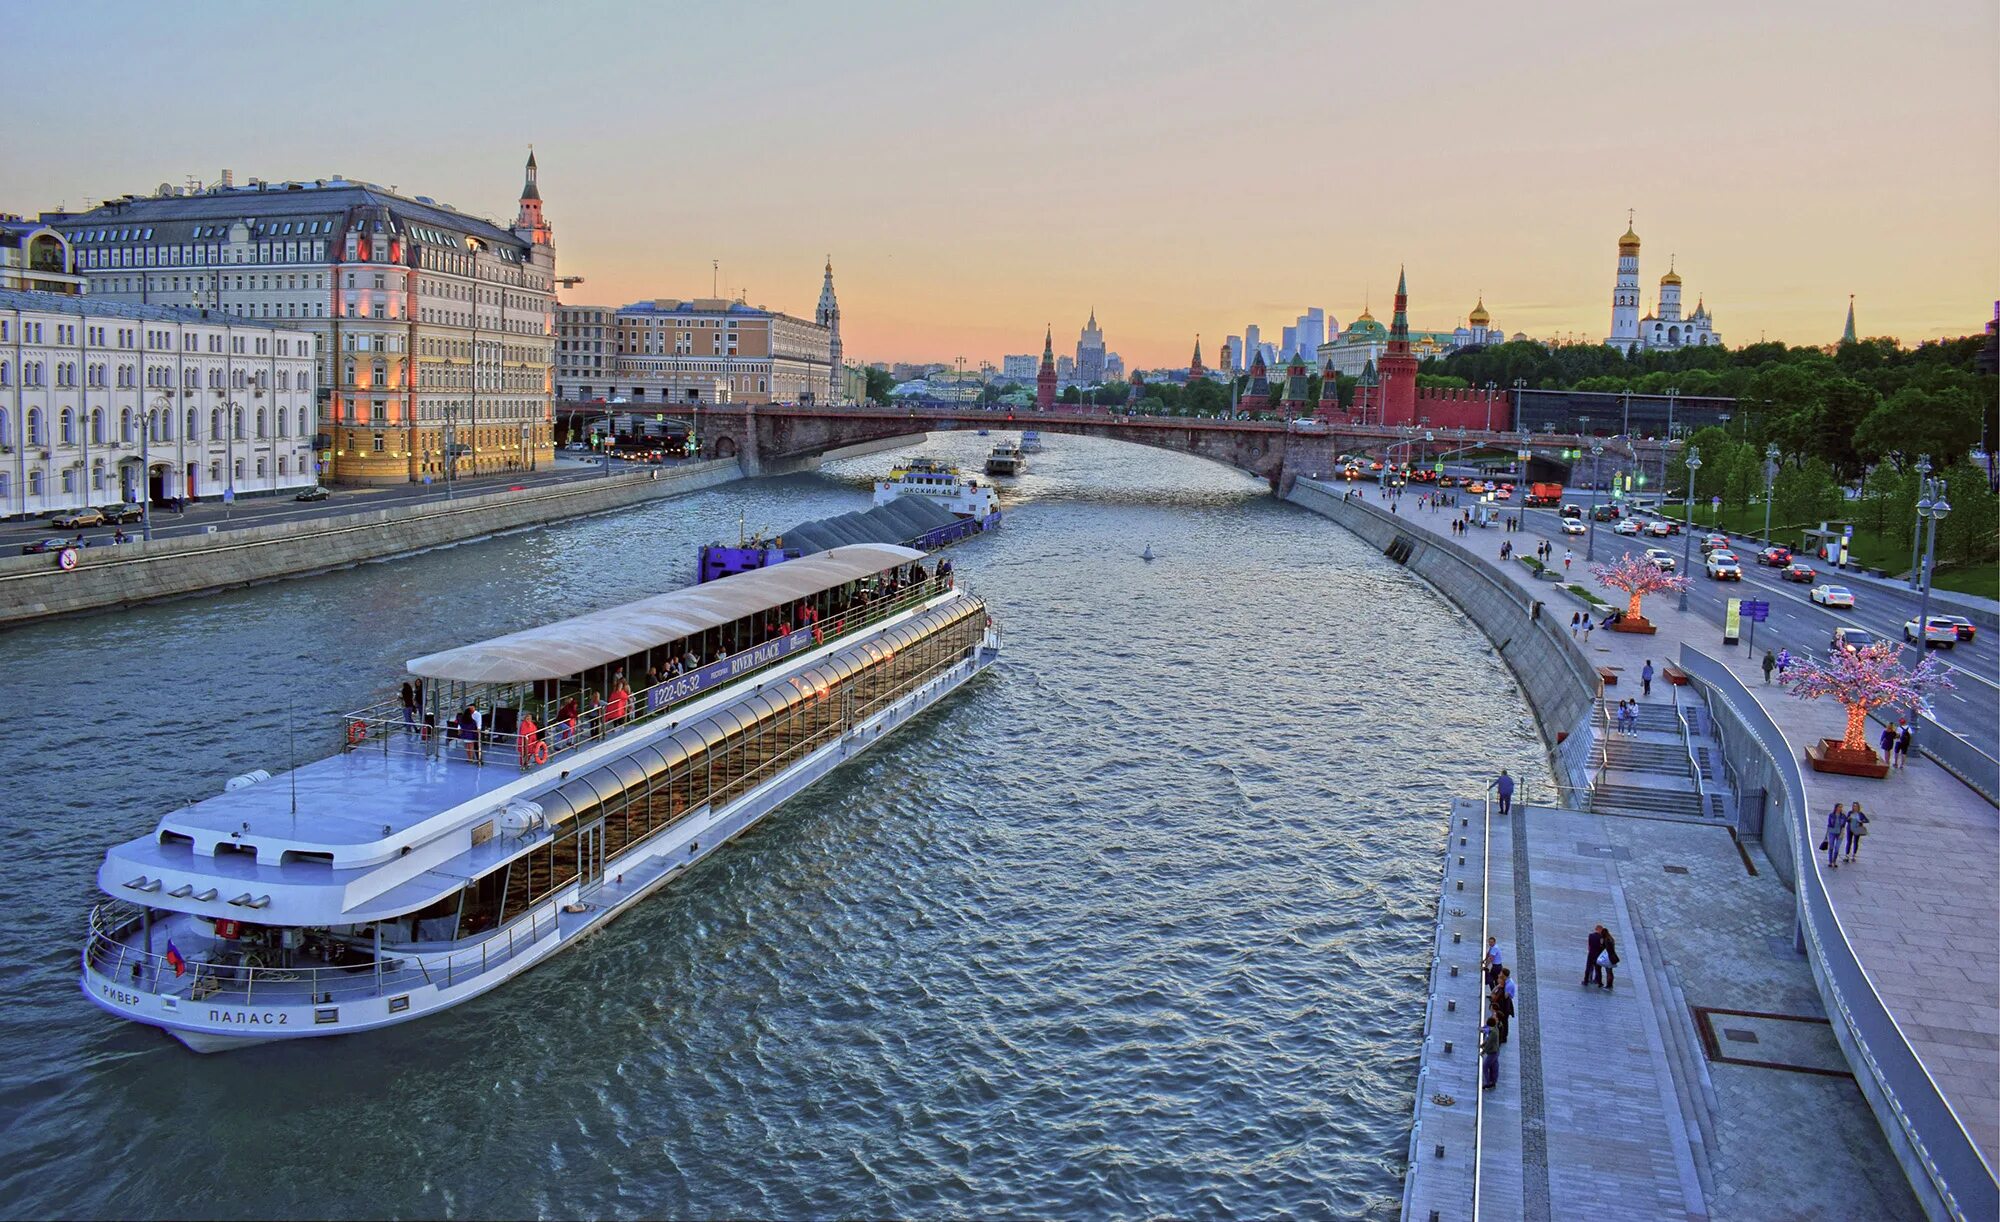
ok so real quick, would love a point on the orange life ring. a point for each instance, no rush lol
(357, 733)
(541, 753)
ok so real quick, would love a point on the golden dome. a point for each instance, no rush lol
(1630, 239)
(1672, 277)
(1365, 316)
(1479, 317)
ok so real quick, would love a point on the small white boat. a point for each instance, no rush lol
(941, 482)
(1147, 555)
(1006, 460)
(1031, 442)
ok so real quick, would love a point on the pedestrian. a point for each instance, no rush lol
(1609, 957)
(1489, 1056)
(1593, 971)
(1770, 664)
(1504, 786)
(1784, 660)
(1568, 556)
(1494, 958)
(409, 710)
(1888, 741)
(1575, 622)
(1857, 827)
(1836, 831)
(1503, 1009)
(1646, 679)
(1903, 736)
(1588, 623)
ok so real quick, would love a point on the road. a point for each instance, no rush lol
(265, 510)
(1796, 622)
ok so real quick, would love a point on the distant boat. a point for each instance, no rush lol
(1147, 555)
(1031, 442)
(982, 432)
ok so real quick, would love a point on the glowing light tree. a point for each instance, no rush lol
(1862, 680)
(1635, 577)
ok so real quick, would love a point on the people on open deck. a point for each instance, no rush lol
(565, 727)
(620, 702)
(532, 749)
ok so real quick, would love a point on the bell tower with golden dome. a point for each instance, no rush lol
(1625, 293)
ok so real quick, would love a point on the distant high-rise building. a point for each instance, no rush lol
(1090, 352)
(1065, 369)
(1311, 329)
(1253, 343)
(1234, 347)
(1114, 367)
(1288, 343)
(1018, 368)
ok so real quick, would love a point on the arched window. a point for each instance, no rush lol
(284, 424)
(6, 373)
(96, 427)
(68, 431)
(281, 464)
(215, 472)
(238, 422)
(5, 420)
(97, 476)
(125, 426)
(261, 431)
(260, 468)
(215, 424)
(303, 426)
(193, 426)
(35, 437)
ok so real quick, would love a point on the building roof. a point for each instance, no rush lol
(315, 209)
(600, 638)
(98, 307)
(699, 305)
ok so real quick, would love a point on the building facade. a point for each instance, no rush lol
(1019, 368)
(586, 342)
(1090, 353)
(36, 258)
(1664, 328)
(705, 351)
(101, 401)
(435, 329)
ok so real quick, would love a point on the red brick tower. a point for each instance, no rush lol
(1045, 381)
(1329, 393)
(1257, 395)
(1295, 402)
(1399, 366)
(1196, 370)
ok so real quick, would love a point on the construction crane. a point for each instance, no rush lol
(569, 281)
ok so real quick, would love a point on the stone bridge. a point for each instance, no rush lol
(776, 439)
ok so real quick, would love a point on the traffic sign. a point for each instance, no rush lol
(1715, 502)
(1755, 610)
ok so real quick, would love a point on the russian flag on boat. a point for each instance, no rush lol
(175, 959)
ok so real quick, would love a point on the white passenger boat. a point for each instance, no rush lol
(1006, 460)
(429, 860)
(939, 481)
(1031, 442)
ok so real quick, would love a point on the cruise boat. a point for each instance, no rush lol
(912, 521)
(939, 481)
(1006, 460)
(1031, 442)
(432, 859)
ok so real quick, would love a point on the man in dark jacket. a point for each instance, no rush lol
(1593, 972)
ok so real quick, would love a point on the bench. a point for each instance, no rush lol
(1607, 676)
(1675, 675)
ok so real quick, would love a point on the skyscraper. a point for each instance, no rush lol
(1253, 343)
(1311, 329)
(1288, 343)
(1234, 346)
(1090, 353)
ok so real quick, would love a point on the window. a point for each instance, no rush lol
(378, 443)
(68, 428)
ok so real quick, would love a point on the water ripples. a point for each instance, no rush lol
(1135, 924)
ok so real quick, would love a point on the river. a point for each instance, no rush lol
(1135, 924)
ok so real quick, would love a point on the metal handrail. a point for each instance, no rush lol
(383, 722)
(1479, 1108)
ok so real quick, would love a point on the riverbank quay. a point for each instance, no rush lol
(1909, 987)
(38, 587)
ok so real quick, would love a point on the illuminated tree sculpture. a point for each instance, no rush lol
(1637, 577)
(1862, 680)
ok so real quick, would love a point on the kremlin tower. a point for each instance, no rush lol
(1045, 381)
(1329, 393)
(1257, 395)
(1196, 370)
(1295, 402)
(1398, 368)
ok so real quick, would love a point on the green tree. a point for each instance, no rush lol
(1970, 533)
(879, 384)
(1204, 398)
(1878, 494)
(1915, 420)
(1070, 394)
(1806, 494)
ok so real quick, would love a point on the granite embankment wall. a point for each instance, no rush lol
(1561, 685)
(33, 587)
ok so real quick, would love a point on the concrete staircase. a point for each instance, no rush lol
(1694, 1091)
(1647, 773)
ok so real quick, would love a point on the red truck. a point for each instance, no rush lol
(1545, 494)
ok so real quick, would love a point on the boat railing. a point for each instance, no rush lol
(389, 728)
(109, 955)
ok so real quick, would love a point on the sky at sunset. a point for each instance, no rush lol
(977, 171)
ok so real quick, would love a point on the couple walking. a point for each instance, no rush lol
(1896, 743)
(1600, 967)
(1499, 1012)
(1844, 824)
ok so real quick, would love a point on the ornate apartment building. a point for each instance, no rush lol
(435, 328)
(35, 258)
(705, 351)
(102, 401)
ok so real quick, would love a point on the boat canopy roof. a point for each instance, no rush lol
(600, 638)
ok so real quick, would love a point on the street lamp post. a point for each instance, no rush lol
(1770, 476)
(1931, 509)
(1596, 497)
(1490, 388)
(1916, 527)
(1687, 534)
(160, 406)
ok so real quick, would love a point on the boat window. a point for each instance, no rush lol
(304, 857)
(167, 838)
(233, 848)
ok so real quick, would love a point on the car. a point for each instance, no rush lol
(1775, 557)
(1662, 559)
(1798, 570)
(1574, 526)
(575, 447)
(1711, 543)
(123, 511)
(314, 493)
(1627, 527)
(78, 519)
(1939, 632)
(1723, 566)
(1850, 638)
(1604, 513)
(1966, 628)
(1833, 596)
(54, 543)
(1659, 528)
(1571, 511)
(1503, 494)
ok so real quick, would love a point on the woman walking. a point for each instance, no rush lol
(1836, 831)
(1609, 958)
(1857, 827)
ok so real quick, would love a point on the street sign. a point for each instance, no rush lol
(1756, 611)
(1715, 502)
